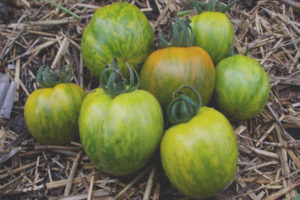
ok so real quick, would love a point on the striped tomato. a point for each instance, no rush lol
(167, 69)
(120, 128)
(179, 64)
(199, 154)
(118, 30)
(242, 87)
(214, 33)
(51, 114)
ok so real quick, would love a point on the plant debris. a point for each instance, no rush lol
(44, 33)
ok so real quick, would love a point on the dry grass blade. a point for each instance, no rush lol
(98, 193)
(62, 183)
(91, 188)
(39, 33)
(136, 179)
(72, 173)
(283, 191)
(149, 184)
(292, 3)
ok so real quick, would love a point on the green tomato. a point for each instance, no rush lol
(118, 30)
(120, 134)
(242, 87)
(200, 156)
(213, 32)
(51, 114)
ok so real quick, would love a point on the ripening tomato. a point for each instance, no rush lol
(51, 114)
(167, 69)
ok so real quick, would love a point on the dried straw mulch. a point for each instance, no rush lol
(36, 32)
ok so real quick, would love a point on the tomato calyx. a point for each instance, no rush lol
(182, 108)
(113, 82)
(180, 34)
(49, 79)
(213, 5)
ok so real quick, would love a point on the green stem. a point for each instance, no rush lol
(47, 79)
(224, 8)
(213, 5)
(63, 9)
(184, 13)
(231, 52)
(246, 51)
(197, 6)
(113, 82)
(182, 108)
(181, 34)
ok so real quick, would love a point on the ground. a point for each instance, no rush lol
(32, 33)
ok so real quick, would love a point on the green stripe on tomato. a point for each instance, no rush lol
(118, 30)
(51, 114)
(213, 32)
(242, 87)
(120, 134)
(165, 70)
(200, 156)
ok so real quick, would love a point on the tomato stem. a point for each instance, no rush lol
(181, 34)
(231, 52)
(213, 5)
(184, 13)
(113, 82)
(246, 51)
(47, 79)
(183, 108)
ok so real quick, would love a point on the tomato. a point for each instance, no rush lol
(118, 30)
(176, 64)
(213, 32)
(120, 133)
(242, 87)
(199, 156)
(51, 114)
(167, 69)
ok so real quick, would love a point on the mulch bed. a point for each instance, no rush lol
(33, 33)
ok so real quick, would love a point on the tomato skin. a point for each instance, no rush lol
(242, 87)
(120, 134)
(118, 30)
(213, 32)
(200, 157)
(51, 114)
(165, 70)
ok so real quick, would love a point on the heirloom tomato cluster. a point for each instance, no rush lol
(155, 100)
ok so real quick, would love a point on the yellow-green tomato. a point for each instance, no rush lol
(51, 114)
(200, 156)
(213, 32)
(120, 134)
